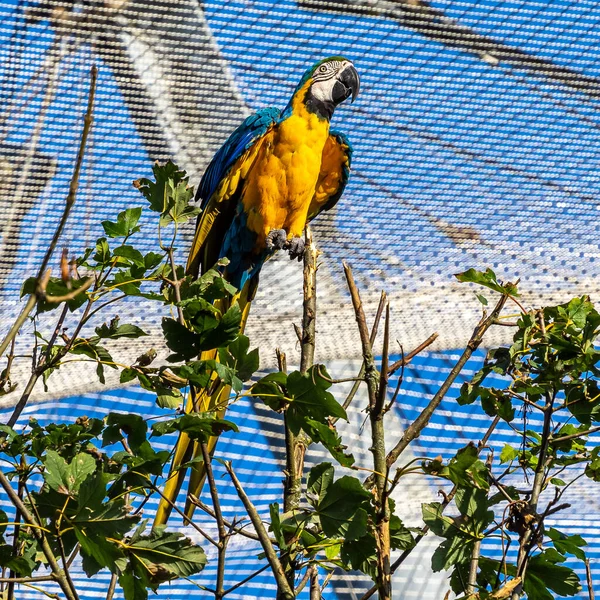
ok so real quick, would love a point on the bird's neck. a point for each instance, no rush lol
(304, 104)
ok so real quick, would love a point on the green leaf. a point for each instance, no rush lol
(543, 574)
(338, 510)
(466, 469)
(508, 454)
(436, 521)
(133, 426)
(237, 356)
(167, 397)
(179, 339)
(487, 279)
(225, 332)
(114, 331)
(133, 587)
(567, 544)
(454, 551)
(472, 502)
(310, 398)
(97, 552)
(56, 472)
(329, 437)
(198, 426)
(168, 194)
(125, 225)
(79, 469)
(131, 256)
(103, 255)
(320, 478)
(165, 555)
(152, 260)
(496, 402)
(275, 526)
(592, 469)
(271, 389)
(482, 299)
(3, 522)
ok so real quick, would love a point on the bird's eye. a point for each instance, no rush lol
(323, 68)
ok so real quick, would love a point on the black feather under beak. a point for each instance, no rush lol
(347, 84)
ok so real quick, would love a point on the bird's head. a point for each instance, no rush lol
(327, 84)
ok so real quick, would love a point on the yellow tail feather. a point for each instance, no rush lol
(187, 449)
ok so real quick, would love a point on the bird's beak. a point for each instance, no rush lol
(347, 84)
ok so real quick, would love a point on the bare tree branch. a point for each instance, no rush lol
(282, 583)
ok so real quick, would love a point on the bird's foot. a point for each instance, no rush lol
(295, 247)
(276, 239)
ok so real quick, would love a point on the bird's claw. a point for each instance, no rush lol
(295, 247)
(276, 239)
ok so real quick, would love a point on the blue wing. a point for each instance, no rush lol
(219, 214)
(239, 141)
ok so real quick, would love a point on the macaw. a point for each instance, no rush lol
(276, 172)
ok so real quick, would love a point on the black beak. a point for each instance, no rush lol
(347, 84)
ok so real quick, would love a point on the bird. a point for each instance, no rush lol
(275, 173)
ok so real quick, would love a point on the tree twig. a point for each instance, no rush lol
(57, 572)
(361, 374)
(112, 586)
(377, 393)
(315, 588)
(447, 499)
(472, 582)
(414, 429)
(408, 357)
(296, 444)
(69, 202)
(590, 582)
(265, 542)
(231, 526)
(246, 580)
(222, 545)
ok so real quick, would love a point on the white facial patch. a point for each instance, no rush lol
(324, 79)
(323, 90)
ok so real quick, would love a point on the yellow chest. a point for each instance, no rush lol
(281, 183)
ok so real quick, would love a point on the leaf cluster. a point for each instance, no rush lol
(85, 500)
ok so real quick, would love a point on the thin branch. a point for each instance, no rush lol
(222, 545)
(296, 444)
(414, 429)
(246, 580)
(315, 588)
(472, 583)
(407, 358)
(174, 506)
(528, 538)
(27, 579)
(265, 542)
(566, 438)
(112, 586)
(74, 185)
(302, 583)
(361, 374)
(57, 572)
(42, 273)
(590, 582)
(309, 315)
(377, 392)
(447, 500)
(229, 525)
(369, 361)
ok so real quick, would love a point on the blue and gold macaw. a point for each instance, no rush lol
(276, 172)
